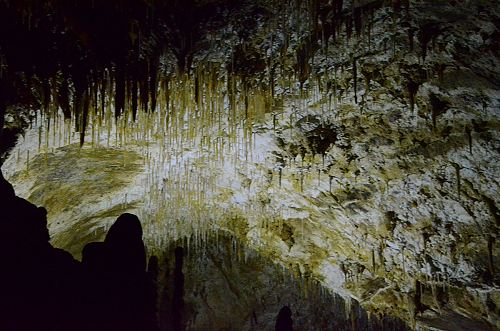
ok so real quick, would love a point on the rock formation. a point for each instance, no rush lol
(44, 288)
(352, 143)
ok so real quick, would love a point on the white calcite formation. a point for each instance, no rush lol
(378, 177)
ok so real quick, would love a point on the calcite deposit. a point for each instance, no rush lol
(359, 154)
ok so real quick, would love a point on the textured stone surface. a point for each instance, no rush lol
(380, 182)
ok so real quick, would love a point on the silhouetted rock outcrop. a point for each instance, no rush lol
(178, 298)
(124, 245)
(284, 320)
(44, 288)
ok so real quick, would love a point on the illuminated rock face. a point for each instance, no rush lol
(374, 170)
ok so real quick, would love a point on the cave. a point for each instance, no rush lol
(249, 165)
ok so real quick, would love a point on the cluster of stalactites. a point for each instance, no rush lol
(126, 94)
(114, 88)
(130, 88)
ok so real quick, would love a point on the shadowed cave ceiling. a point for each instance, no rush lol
(355, 144)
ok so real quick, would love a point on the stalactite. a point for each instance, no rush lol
(45, 94)
(153, 82)
(134, 97)
(381, 253)
(144, 94)
(412, 88)
(301, 182)
(370, 27)
(457, 172)
(440, 71)
(102, 93)
(231, 92)
(197, 95)
(419, 307)
(303, 55)
(426, 34)
(63, 97)
(374, 265)
(358, 19)
(80, 84)
(411, 36)
(468, 132)
(245, 98)
(355, 80)
(84, 117)
(166, 89)
(95, 92)
(348, 27)
(491, 264)
(119, 91)
(438, 107)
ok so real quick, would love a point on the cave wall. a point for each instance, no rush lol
(356, 142)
